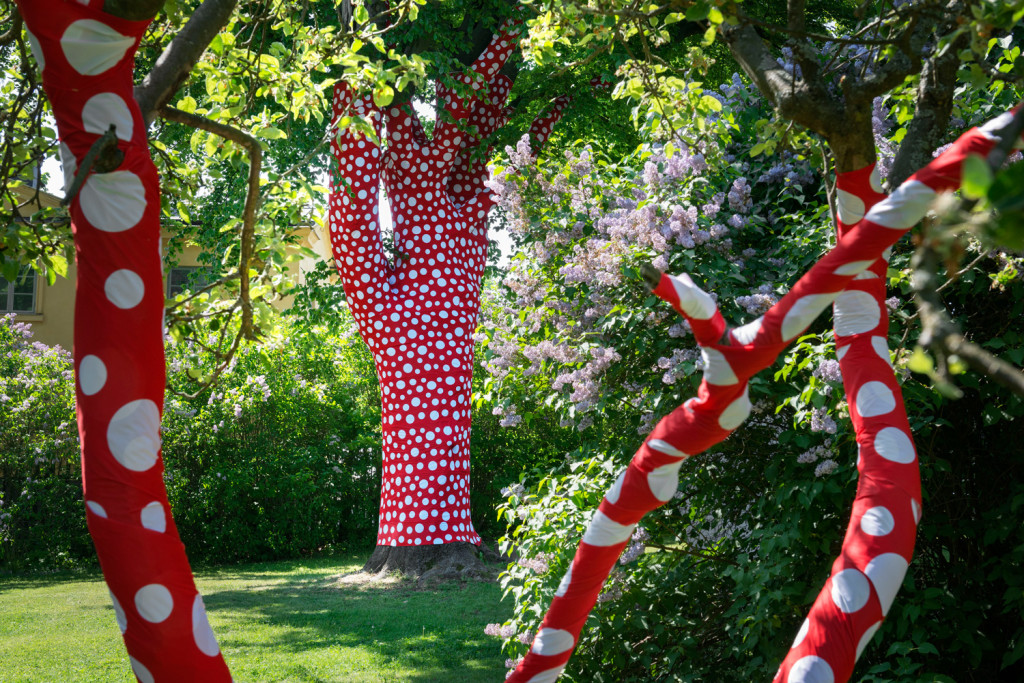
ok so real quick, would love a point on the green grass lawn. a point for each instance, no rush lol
(281, 621)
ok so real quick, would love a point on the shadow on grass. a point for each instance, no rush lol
(28, 582)
(438, 632)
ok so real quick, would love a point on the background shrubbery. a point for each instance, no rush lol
(279, 459)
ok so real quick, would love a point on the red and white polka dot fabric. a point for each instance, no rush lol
(87, 58)
(418, 315)
(880, 538)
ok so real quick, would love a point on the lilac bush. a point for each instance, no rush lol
(573, 328)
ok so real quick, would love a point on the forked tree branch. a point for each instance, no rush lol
(185, 49)
(252, 199)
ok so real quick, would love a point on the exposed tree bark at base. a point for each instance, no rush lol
(431, 564)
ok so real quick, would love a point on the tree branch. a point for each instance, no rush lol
(176, 62)
(942, 337)
(931, 113)
(795, 16)
(14, 32)
(133, 10)
(252, 199)
(104, 156)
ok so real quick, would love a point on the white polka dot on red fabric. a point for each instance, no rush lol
(850, 207)
(803, 312)
(113, 202)
(141, 672)
(736, 412)
(549, 676)
(811, 669)
(69, 165)
(717, 370)
(915, 508)
(853, 268)
(893, 444)
(856, 312)
(92, 47)
(563, 585)
(886, 573)
(605, 532)
(552, 641)
(904, 207)
(153, 517)
(881, 347)
(878, 521)
(104, 109)
(697, 303)
(875, 398)
(850, 590)
(92, 375)
(119, 615)
(36, 49)
(875, 180)
(663, 481)
(802, 633)
(96, 508)
(201, 631)
(124, 288)
(866, 638)
(747, 333)
(616, 489)
(133, 435)
(154, 603)
(666, 448)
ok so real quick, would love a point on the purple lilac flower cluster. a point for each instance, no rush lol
(637, 546)
(815, 453)
(758, 302)
(821, 421)
(828, 371)
(538, 564)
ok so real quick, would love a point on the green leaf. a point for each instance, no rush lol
(270, 133)
(187, 104)
(921, 362)
(361, 15)
(1006, 193)
(383, 95)
(977, 176)
(709, 35)
(711, 103)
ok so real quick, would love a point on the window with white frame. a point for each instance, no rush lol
(19, 296)
(180, 278)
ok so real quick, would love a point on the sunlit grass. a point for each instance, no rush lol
(282, 621)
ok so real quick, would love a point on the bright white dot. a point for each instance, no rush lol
(154, 603)
(92, 375)
(92, 47)
(113, 202)
(124, 289)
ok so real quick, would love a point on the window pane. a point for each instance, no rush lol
(26, 283)
(181, 278)
(19, 296)
(24, 303)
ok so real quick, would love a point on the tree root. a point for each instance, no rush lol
(430, 565)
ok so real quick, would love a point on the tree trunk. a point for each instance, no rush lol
(86, 56)
(418, 314)
(434, 564)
